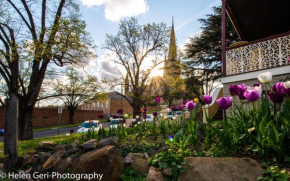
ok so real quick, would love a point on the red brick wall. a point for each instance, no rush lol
(49, 117)
(115, 104)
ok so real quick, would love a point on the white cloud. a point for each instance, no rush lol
(117, 9)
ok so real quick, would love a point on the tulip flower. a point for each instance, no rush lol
(144, 115)
(242, 89)
(119, 111)
(265, 77)
(257, 85)
(154, 113)
(158, 99)
(287, 92)
(252, 95)
(287, 84)
(144, 109)
(276, 97)
(280, 86)
(224, 102)
(140, 112)
(185, 102)
(195, 100)
(180, 107)
(207, 99)
(100, 116)
(234, 90)
(71, 130)
(190, 105)
(173, 108)
(126, 115)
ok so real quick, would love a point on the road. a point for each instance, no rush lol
(54, 131)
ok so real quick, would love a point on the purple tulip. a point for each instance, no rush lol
(207, 99)
(234, 90)
(114, 116)
(154, 113)
(276, 97)
(242, 89)
(119, 111)
(140, 112)
(144, 115)
(158, 99)
(257, 85)
(185, 102)
(100, 116)
(280, 87)
(173, 108)
(180, 107)
(224, 102)
(144, 109)
(252, 95)
(286, 92)
(190, 105)
(71, 130)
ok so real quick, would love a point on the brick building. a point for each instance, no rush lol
(43, 117)
(110, 105)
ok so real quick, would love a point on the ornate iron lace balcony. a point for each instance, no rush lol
(262, 54)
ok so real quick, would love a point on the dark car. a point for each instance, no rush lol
(114, 116)
(1, 132)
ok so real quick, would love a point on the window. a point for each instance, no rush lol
(102, 105)
(94, 105)
(107, 103)
(98, 104)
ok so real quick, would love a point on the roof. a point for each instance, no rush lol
(115, 95)
(257, 19)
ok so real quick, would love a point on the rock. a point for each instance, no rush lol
(28, 158)
(45, 144)
(220, 169)
(154, 175)
(43, 157)
(89, 145)
(131, 157)
(167, 172)
(111, 141)
(62, 165)
(59, 147)
(53, 160)
(74, 144)
(140, 165)
(70, 152)
(107, 161)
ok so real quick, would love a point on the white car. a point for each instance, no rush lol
(115, 122)
(93, 124)
(149, 118)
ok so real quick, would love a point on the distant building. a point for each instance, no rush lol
(172, 63)
(110, 105)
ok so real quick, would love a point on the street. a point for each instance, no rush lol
(54, 131)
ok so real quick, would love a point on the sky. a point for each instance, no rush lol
(102, 17)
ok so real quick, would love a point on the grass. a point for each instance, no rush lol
(65, 126)
(27, 146)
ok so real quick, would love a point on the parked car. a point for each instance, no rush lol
(92, 124)
(149, 118)
(114, 116)
(177, 113)
(170, 115)
(1, 132)
(117, 121)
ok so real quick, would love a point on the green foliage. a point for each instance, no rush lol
(169, 158)
(274, 173)
(132, 175)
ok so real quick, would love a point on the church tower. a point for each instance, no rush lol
(172, 63)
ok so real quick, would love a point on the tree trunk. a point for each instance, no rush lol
(25, 120)
(136, 108)
(71, 115)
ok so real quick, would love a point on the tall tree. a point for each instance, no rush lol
(132, 46)
(36, 35)
(77, 88)
(203, 52)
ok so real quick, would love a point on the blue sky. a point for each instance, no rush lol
(102, 17)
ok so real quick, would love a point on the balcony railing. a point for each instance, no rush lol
(258, 55)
